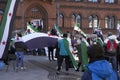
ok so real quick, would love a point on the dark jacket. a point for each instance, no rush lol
(20, 46)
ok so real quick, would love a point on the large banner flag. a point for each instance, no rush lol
(79, 30)
(31, 28)
(5, 25)
(40, 40)
(59, 32)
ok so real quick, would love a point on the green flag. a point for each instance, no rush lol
(31, 28)
(58, 30)
(79, 30)
(66, 43)
(6, 26)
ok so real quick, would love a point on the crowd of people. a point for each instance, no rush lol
(93, 56)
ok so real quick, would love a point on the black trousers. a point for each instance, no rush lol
(50, 53)
(60, 61)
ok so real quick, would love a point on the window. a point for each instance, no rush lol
(109, 22)
(109, 1)
(34, 13)
(73, 20)
(76, 0)
(93, 21)
(93, 0)
(78, 20)
(61, 20)
(90, 21)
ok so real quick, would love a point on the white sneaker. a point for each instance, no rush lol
(22, 68)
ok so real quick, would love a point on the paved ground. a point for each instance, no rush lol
(38, 68)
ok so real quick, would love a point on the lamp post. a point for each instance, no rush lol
(22, 13)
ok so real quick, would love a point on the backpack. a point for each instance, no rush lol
(111, 46)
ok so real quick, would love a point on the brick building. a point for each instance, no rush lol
(88, 14)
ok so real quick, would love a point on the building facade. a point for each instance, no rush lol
(87, 14)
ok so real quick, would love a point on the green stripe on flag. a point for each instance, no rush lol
(58, 30)
(4, 19)
(66, 43)
(84, 55)
(32, 28)
(79, 30)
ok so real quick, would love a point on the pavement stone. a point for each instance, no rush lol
(38, 68)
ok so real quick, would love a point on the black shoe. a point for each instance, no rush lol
(82, 70)
(6, 63)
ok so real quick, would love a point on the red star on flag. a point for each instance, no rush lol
(10, 14)
(3, 43)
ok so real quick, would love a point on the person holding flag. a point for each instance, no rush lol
(83, 59)
(65, 53)
(62, 54)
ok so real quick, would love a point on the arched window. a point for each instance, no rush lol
(110, 22)
(93, 0)
(109, 1)
(61, 20)
(78, 20)
(93, 21)
(106, 22)
(73, 20)
(90, 21)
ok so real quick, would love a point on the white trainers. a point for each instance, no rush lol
(23, 68)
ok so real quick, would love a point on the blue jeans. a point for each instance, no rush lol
(19, 59)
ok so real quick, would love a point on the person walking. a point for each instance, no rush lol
(20, 48)
(111, 48)
(62, 54)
